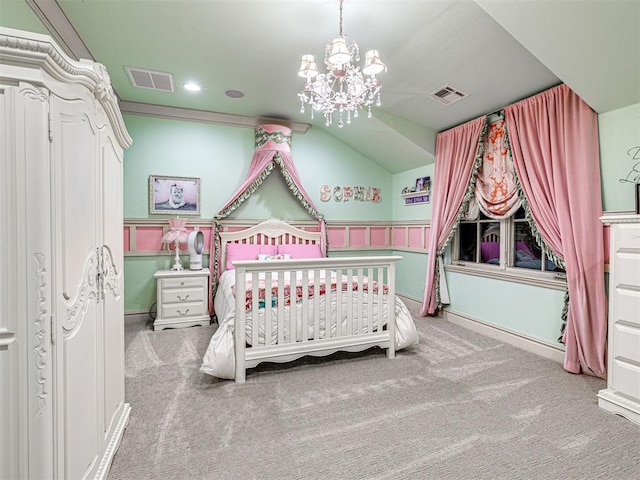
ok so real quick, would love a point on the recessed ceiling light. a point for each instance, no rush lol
(233, 93)
(192, 87)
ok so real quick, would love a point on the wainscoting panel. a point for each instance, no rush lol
(143, 236)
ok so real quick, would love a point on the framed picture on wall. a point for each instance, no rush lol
(423, 184)
(174, 195)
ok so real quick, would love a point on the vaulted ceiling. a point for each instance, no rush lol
(495, 51)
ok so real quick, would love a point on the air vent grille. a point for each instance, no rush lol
(447, 95)
(151, 79)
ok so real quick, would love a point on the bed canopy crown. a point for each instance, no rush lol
(273, 149)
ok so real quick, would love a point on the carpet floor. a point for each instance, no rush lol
(459, 405)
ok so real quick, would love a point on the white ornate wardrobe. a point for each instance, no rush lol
(62, 137)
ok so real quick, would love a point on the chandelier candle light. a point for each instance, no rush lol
(177, 234)
(343, 88)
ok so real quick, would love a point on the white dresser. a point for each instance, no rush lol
(622, 395)
(182, 298)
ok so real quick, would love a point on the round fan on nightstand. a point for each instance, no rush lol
(195, 244)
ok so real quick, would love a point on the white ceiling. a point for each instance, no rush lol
(496, 51)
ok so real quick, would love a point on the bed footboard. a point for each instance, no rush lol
(314, 307)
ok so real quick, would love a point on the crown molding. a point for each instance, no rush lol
(30, 50)
(187, 114)
(60, 28)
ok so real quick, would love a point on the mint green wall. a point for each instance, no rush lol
(411, 271)
(408, 179)
(533, 311)
(220, 156)
(619, 157)
(411, 274)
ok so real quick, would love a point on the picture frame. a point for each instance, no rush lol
(638, 198)
(169, 195)
(423, 184)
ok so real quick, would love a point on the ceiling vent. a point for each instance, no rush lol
(150, 79)
(447, 95)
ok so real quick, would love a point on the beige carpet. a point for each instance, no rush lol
(457, 406)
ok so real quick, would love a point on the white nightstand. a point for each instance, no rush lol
(182, 298)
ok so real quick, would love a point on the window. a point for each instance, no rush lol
(501, 244)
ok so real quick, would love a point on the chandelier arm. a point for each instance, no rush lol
(353, 91)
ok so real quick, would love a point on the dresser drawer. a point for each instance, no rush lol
(182, 295)
(626, 342)
(629, 236)
(183, 282)
(627, 306)
(183, 310)
(626, 378)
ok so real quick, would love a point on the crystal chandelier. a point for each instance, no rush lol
(344, 88)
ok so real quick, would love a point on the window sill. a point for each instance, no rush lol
(554, 280)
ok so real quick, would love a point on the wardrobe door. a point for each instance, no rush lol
(26, 357)
(78, 345)
(112, 298)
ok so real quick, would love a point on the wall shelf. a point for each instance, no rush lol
(415, 198)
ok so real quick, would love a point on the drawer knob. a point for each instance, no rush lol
(186, 312)
(182, 299)
(181, 283)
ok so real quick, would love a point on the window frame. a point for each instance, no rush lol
(504, 270)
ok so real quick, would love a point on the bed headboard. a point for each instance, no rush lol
(269, 232)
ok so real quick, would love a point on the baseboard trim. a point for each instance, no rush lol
(413, 304)
(530, 344)
(136, 317)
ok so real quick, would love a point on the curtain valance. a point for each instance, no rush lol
(496, 187)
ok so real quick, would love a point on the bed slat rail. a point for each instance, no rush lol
(334, 304)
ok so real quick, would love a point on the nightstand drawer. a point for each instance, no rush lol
(182, 298)
(183, 282)
(183, 310)
(182, 295)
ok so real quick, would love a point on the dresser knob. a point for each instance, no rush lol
(183, 299)
(183, 314)
(181, 283)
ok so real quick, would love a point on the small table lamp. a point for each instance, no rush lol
(177, 234)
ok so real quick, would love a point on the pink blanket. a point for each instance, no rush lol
(299, 290)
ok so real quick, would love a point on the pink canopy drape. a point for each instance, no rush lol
(456, 152)
(273, 149)
(554, 143)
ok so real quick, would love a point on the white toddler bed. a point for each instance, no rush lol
(317, 305)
